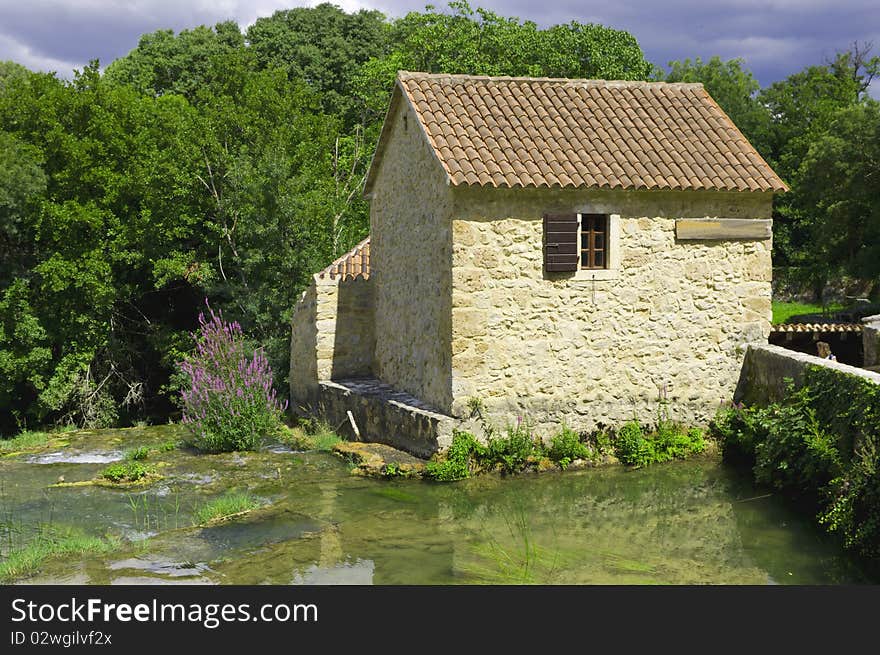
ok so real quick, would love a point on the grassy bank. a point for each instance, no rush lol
(230, 504)
(32, 439)
(782, 311)
(27, 560)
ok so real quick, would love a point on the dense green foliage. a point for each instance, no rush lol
(635, 446)
(129, 471)
(567, 446)
(518, 449)
(820, 444)
(228, 165)
(820, 131)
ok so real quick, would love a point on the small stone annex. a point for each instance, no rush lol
(565, 251)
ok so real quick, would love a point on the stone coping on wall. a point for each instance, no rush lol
(766, 368)
(385, 415)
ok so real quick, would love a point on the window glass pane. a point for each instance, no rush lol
(599, 257)
(585, 262)
(599, 242)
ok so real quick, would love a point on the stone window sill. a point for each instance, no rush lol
(597, 275)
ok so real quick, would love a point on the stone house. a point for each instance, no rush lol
(562, 250)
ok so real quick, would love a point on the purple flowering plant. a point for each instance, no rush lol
(227, 398)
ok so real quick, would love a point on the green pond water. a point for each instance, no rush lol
(694, 522)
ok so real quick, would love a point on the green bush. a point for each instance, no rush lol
(512, 453)
(820, 443)
(456, 464)
(566, 446)
(126, 472)
(667, 441)
(631, 447)
(137, 453)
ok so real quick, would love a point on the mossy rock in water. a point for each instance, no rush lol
(379, 460)
(143, 481)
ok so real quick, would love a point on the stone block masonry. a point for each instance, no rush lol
(332, 336)
(384, 415)
(673, 319)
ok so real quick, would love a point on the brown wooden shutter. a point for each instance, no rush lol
(560, 242)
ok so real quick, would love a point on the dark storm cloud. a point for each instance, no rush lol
(775, 37)
(52, 34)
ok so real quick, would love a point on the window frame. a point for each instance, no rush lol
(591, 250)
(612, 248)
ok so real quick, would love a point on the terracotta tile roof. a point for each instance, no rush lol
(542, 132)
(354, 263)
(817, 327)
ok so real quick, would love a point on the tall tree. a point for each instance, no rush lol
(838, 187)
(803, 108)
(165, 63)
(322, 46)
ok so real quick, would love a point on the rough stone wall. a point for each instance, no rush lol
(410, 264)
(304, 350)
(553, 348)
(384, 415)
(332, 336)
(766, 368)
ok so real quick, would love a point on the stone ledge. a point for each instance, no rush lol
(687, 229)
(384, 415)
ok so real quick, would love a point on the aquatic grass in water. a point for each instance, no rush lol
(137, 453)
(28, 559)
(233, 502)
(518, 559)
(229, 403)
(30, 439)
(151, 514)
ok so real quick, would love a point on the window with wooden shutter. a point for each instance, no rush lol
(561, 249)
(594, 241)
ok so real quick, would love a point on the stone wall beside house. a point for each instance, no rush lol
(675, 315)
(332, 336)
(767, 369)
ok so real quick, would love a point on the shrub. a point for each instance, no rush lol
(512, 453)
(820, 442)
(631, 447)
(667, 441)
(566, 446)
(126, 472)
(456, 464)
(229, 403)
(135, 454)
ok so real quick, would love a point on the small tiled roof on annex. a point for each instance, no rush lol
(543, 132)
(354, 263)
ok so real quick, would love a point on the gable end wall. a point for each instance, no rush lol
(411, 262)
